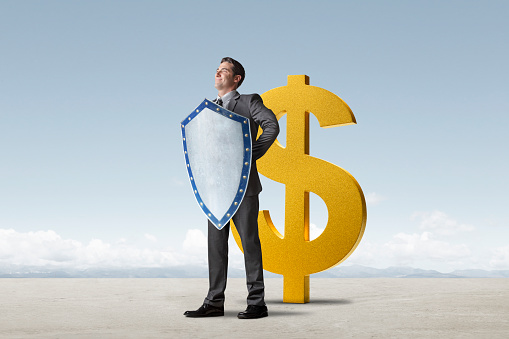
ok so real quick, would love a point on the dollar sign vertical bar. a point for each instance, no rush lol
(295, 284)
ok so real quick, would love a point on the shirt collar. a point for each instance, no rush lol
(227, 97)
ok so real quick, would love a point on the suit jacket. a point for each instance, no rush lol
(251, 106)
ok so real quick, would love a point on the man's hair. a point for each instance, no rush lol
(237, 69)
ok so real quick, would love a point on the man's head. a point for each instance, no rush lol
(229, 75)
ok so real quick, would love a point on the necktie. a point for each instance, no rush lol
(219, 101)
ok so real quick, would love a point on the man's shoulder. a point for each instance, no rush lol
(249, 97)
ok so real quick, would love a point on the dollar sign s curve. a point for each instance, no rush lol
(294, 255)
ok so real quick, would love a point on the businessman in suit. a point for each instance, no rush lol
(229, 76)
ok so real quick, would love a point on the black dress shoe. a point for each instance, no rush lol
(206, 310)
(253, 312)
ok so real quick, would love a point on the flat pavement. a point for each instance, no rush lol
(347, 308)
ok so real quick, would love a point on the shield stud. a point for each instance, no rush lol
(217, 150)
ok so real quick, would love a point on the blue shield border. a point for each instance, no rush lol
(220, 221)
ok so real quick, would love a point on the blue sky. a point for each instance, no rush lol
(92, 93)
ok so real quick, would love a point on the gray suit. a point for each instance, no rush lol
(246, 219)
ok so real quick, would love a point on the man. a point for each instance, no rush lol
(229, 76)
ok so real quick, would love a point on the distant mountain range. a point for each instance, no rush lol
(358, 271)
(354, 271)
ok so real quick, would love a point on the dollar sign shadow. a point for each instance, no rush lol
(294, 255)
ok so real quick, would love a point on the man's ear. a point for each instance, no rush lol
(236, 79)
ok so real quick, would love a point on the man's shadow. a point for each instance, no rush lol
(272, 313)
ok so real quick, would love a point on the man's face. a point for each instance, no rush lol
(224, 77)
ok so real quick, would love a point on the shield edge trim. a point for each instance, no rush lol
(241, 190)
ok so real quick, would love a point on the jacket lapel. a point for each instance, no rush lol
(233, 102)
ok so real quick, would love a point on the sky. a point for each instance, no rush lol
(92, 94)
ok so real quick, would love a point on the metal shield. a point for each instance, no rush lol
(217, 150)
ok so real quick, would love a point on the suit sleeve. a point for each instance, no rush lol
(266, 119)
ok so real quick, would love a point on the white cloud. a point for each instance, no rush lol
(122, 241)
(314, 231)
(440, 223)
(500, 258)
(417, 249)
(430, 245)
(195, 242)
(47, 248)
(374, 198)
(150, 237)
(366, 254)
(36, 248)
(410, 248)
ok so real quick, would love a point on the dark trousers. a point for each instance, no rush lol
(246, 222)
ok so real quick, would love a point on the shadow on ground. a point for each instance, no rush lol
(272, 313)
(315, 301)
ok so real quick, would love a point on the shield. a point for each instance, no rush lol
(217, 150)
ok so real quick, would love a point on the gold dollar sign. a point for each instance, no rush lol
(294, 255)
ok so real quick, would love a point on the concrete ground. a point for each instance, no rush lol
(351, 308)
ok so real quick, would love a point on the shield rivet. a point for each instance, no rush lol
(195, 191)
(246, 135)
(235, 203)
(187, 165)
(201, 204)
(231, 115)
(189, 118)
(206, 103)
(219, 225)
(191, 178)
(246, 163)
(244, 177)
(228, 215)
(218, 109)
(183, 138)
(241, 191)
(185, 152)
(197, 111)
(247, 149)
(209, 214)
(245, 121)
